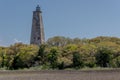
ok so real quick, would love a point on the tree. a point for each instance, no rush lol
(58, 41)
(103, 57)
(41, 56)
(77, 60)
(53, 57)
(115, 62)
(25, 57)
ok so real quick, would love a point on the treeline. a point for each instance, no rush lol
(63, 53)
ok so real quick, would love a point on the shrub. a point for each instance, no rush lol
(103, 57)
(77, 60)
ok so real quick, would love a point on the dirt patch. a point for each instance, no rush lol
(61, 75)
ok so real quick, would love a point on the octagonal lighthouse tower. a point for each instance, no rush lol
(37, 31)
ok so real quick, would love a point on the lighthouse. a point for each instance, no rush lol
(37, 31)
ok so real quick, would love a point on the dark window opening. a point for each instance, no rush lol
(38, 38)
(34, 38)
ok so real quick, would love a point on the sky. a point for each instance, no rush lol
(69, 18)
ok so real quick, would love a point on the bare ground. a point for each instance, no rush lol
(61, 75)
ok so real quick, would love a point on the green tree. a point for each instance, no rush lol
(40, 59)
(58, 41)
(115, 63)
(25, 57)
(77, 60)
(103, 57)
(53, 57)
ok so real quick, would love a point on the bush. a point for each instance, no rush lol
(103, 57)
(77, 60)
(116, 62)
(53, 57)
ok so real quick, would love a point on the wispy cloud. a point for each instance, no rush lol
(17, 41)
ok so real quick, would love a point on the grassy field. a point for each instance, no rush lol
(61, 75)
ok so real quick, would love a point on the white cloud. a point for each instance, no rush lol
(16, 40)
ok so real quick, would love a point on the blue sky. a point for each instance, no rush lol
(69, 18)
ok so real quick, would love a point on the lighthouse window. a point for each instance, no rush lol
(38, 38)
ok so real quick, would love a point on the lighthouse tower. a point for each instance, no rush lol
(37, 31)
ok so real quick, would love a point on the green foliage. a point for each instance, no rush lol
(41, 56)
(58, 41)
(53, 57)
(115, 62)
(61, 65)
(103, 57)
(63, 53)
(24, 57)
(77, 60)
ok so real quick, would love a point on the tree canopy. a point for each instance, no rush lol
(61, 53)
